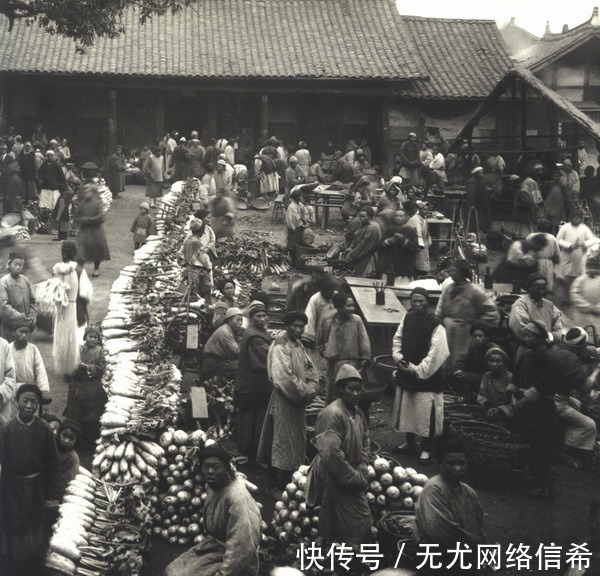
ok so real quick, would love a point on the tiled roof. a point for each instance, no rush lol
(464, 58)
(336, 39)
(552, 46)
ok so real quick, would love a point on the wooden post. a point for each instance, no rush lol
(212, 117)
(386, 159)
(112, 121)
(524, 115)
(264, 117)
(514, 119)
(159, 118)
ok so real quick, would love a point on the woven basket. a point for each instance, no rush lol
(491, 447)
(390, 542)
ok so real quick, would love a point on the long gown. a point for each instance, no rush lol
(29, 460)
(458, 308)
(283, 437)
(334, 479)
(65, 349)
(232, 522)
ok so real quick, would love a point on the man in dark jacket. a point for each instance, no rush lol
(549, 375)
(410, 162)
(398, 250)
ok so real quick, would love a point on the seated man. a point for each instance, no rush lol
(232, 523)
(448, 511)
(465, 376)
(222, 349)
(494, 395)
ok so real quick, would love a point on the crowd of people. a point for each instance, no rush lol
(538, 384)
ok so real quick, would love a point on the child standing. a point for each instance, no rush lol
(86, 397)
(496, 386)
(143, 226)
(29, 365)
(68, 460)
(17, 300)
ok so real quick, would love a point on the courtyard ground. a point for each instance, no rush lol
(510, 517)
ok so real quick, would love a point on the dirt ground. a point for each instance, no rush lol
(510, 517)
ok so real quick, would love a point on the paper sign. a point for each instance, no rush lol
(191, 338)
(199, 404)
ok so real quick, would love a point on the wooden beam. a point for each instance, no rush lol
(264, 117)
(112, 121)
(160, 115)
(523, 115)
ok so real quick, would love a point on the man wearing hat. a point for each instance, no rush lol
(574, 239)
(52, 180)
(570, 178)
(231, 520)
(221, 351)
(360, 164)
(548, 374)
(143, 226)
(419, 222)
(293, 177)
(410, 164)
(89, 171)
(223, 182)
(180, 161)
(420, 348)
(474, 194)
(117, 168)
(295, 221)
(295, 381)
(29, 460)
(17, 298)
(197, 260)
(252, 388)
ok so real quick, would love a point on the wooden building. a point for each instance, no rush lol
(313, 70)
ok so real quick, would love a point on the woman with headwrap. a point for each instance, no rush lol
(585, 292)
(461, 304)
(420, 349)
(231, 520)
(252, 389)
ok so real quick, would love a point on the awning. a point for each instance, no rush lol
(579, 117)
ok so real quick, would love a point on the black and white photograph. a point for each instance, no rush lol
(299, 288)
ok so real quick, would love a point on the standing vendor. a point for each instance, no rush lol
(338, 476)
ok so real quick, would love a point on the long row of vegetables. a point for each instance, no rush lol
(106, 516)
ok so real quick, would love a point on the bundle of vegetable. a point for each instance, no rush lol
(126, 461)
(390, 488)
(71, 532)
(177, 508)
(294, 522)
(219, 397)
(393, 487)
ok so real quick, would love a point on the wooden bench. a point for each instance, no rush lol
(278, 207)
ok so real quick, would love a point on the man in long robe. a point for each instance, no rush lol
(337, 479)
(232, 523)
(361, 254)
(448, 511)
(343, 340)
(252, 389)
(283, 438)
(29, 460)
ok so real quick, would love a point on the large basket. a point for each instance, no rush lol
(491, 447)
(390, 541)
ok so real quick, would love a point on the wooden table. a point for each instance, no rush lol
(381, 322)
(324, 198)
